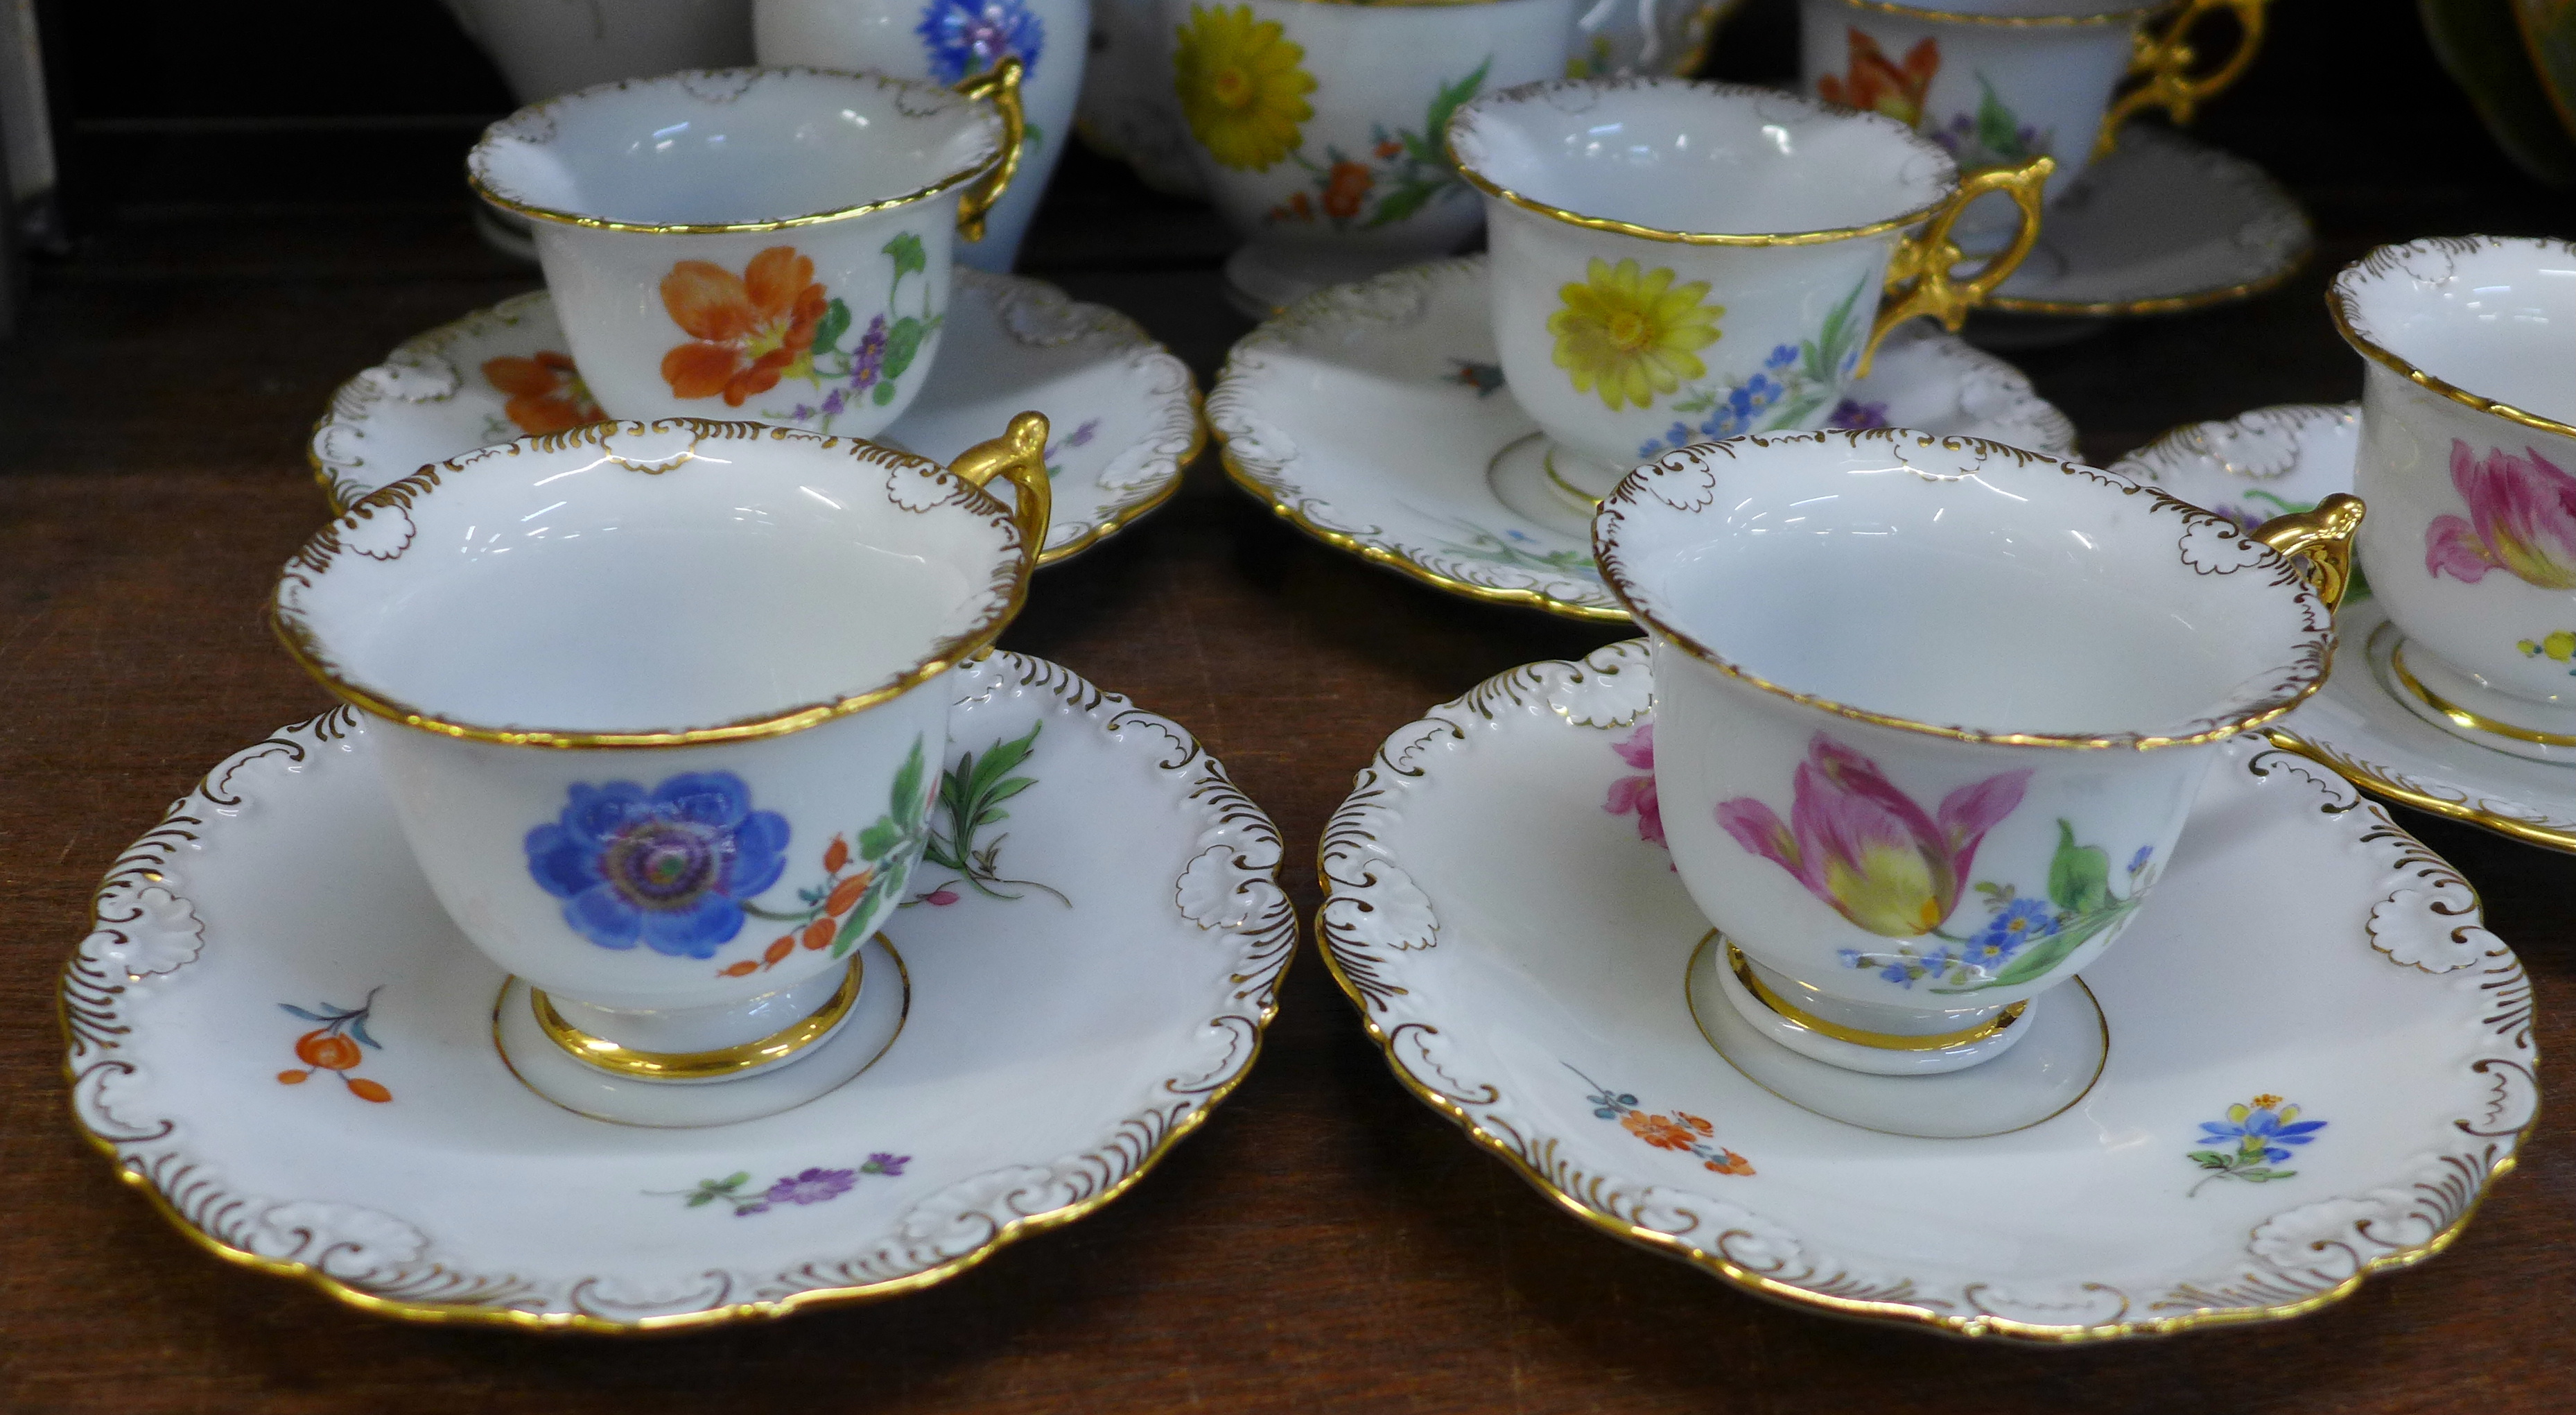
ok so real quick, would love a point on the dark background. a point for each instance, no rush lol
(264, 199)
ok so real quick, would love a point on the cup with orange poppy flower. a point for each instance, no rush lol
(662, 711)
(1998, 82)
(1679, 262)
(1907, 819)
(1316, 125)
(2468, 459)
(739, 242)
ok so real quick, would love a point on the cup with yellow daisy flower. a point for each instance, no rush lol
(1679, 262)
(1316, 124)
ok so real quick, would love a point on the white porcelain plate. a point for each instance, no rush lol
(2276, 460)
(2163, 224)
(1124, 410)
(1373, 417)
(277, 1034)
(2318, 1057)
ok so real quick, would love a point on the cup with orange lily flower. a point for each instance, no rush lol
(2468, 459)
(1679, 262)
(663, 708)
(1931, 713)
(1316, 125)
(743, 243)
(1999, 82)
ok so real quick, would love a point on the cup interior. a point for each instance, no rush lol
(1964, 587)
(733, 147)
(1699, 158)
(588, 583)
(2493, 316)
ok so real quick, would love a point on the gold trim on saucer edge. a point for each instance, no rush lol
(1357, 982)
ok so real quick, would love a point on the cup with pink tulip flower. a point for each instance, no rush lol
(1909, 823)
(2468, 454)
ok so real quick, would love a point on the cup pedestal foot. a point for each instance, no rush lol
(2448, 699)
(1550, 484)
(2054, 1054)
(529, 1046)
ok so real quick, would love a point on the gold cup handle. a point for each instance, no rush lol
(2323, 537)
(1918, 273)
(2165, 61)
(1001, 85)
(1019, 455)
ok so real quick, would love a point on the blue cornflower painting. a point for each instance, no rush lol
(669, 868)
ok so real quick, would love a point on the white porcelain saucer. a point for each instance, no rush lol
(2275, 460)
(1373, 417)
(2319, 1058)
(1124, 409)
(277, 1035)
(2164, 224)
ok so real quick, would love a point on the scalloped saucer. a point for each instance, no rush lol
(1374, 418)
(1519, 951)
(2164, 224)
(2287, 458)
(1124, 409)
(1050, 1049)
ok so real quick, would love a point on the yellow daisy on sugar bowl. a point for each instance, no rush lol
(1240, 85)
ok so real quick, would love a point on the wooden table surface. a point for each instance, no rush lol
(1325, 1242)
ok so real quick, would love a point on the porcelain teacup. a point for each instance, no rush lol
(660, 708)
(2468, 460)
(1676, 262)
(953, 42)
(1316, 125)
(772, 242)
(1930, 712)
(1998, 82)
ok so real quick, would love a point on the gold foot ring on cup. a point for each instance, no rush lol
(2474, 722)
(1884, 1041)
(698, 1065)
(1547, 464)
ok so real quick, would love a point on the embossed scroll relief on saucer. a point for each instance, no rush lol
(1503, 914)
(277, 1035)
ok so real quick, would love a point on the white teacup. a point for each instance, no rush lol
(661, 717)
(1317, 125)
(1930, 712)
(744, 241)
(950, 42)
(2468, 460)
(1999, 82)
(1677, 262)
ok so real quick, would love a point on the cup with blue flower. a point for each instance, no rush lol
(661, 713)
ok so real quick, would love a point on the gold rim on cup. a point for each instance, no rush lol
(2323, 535)
(1019, 454)
(1001, 86)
